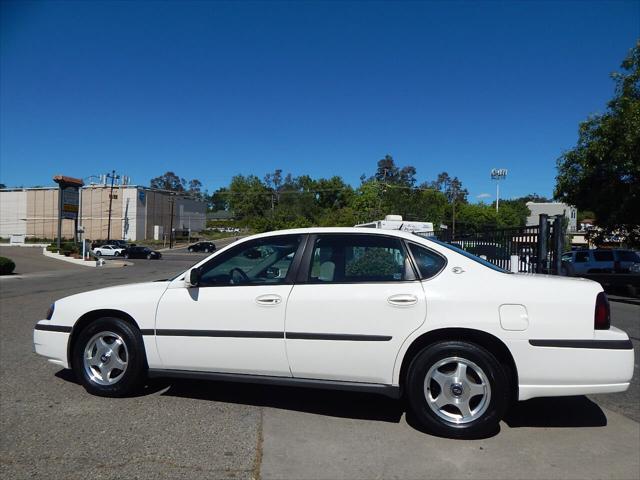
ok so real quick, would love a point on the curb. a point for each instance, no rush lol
(629, 301)
(75, 261)
(87, 263)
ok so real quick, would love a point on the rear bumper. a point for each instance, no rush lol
(548, 368)
(51, 342)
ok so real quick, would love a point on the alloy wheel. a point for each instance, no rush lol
(105, 358)
(457, 390)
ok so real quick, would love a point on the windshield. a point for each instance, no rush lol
(467, 254)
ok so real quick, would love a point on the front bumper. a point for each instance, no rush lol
(51, 341)
(579, 368)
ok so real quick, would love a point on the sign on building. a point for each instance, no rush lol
(70, 202)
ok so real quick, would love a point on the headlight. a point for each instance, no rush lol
(50, 311)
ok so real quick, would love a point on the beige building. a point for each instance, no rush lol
(137, 213)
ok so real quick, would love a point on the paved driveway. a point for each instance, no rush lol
(51, 428)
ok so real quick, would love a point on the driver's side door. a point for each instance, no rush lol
(234, 320)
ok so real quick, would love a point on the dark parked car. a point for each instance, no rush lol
(141, 252)
(202, 247)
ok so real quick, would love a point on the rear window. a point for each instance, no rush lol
(470, 256)
(603, 256)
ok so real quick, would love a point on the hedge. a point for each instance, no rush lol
(6, 266)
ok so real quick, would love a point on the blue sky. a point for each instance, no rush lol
(212, 89)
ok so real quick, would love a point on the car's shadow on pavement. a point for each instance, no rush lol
(321, 402)
(553, 412)
(556, 412)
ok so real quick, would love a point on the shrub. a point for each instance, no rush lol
(6, 266)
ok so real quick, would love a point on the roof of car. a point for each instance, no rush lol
(360, 230)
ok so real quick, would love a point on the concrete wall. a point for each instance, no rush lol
(42, 215)
(95, 212)
(191, 214)
(13, 213)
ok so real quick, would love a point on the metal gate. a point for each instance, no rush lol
(536, 249)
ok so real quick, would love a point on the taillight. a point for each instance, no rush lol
(602, 317)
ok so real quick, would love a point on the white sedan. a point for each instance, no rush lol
(108, 251)
(351, 309)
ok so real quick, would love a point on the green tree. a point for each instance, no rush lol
(169, 181)
(248, 196)
(219, 200)
(602, 172)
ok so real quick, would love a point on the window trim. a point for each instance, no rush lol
(415, 263)
(291, 273)
(302, 277)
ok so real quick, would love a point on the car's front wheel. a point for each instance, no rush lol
(190, 250)
(457, 389)
(108, 358)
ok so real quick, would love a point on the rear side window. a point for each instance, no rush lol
(603, 256)
(628, 256)
(428, 262)
(358, 259)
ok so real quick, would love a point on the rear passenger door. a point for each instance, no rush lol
(356, 299)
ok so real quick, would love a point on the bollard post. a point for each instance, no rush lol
(515, 259)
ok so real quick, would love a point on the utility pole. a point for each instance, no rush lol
(113, 178)
(172, 201)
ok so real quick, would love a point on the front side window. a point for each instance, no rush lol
(265, 261)
(358, 258)
(428, 262)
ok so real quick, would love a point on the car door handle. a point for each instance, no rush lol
(269, 300)
(402, 300)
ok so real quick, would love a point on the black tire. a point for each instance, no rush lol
(206, 250)
(149, 256)
(131, 378)
(190, 250)
(126, 255)
(489, 408)
(98, 253)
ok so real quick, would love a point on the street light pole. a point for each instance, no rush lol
(498, 174)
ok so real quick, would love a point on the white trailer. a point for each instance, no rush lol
(395, 222)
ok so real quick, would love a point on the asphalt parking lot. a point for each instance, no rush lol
(51, 428)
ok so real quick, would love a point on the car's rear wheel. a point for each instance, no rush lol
(108, 358)
(206, 250)
(457, 389)
(98, 253)
(126, 255)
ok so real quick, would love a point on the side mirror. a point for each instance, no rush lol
(192, 279)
